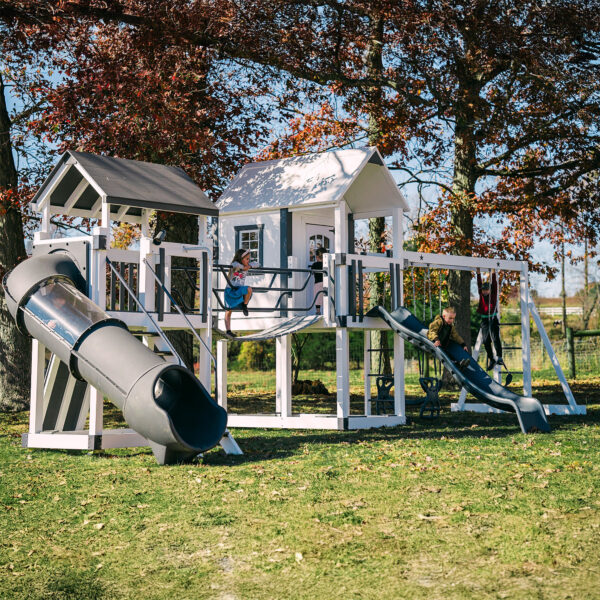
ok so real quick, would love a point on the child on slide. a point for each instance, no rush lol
(237, 293)
(442, 331)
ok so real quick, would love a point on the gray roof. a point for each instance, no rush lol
(357, 174)
(80, 179)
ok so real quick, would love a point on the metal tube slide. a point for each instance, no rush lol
(163, 402)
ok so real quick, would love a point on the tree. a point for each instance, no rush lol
(15, 352)
(498, 100)
(121, 92)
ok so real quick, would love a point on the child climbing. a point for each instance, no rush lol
(490, 327)
(442, 331)
(237, 294)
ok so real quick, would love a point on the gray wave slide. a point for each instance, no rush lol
(529, 411)
(163, 402)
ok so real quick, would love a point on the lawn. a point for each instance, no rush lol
(464, 506)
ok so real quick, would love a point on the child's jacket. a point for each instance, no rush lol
(440, 330)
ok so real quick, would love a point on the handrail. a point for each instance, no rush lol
(137, 301)
(194, 332)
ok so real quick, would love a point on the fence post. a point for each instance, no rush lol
(571, 352)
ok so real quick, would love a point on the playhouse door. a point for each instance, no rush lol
(319, 236)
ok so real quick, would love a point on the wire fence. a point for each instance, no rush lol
(252, 364)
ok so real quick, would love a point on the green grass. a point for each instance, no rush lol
(461, 507)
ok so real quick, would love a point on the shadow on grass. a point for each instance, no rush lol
(270, 444)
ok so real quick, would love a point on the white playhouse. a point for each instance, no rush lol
(281, 211)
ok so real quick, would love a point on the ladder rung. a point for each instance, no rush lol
(512, 347)
(163, 352)
(145, 334)
(507, 323)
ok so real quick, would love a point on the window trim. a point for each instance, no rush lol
(259, 228)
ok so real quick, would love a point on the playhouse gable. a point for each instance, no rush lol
(314, 179)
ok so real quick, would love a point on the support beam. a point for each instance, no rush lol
(367, 369)
(75, 195)
(222, 373)
(342, 358)
(525, 333)
(36, 409)
(283, 393)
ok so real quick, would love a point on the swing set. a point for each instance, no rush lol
(432, 385)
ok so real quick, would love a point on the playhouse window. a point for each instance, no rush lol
(250, 237)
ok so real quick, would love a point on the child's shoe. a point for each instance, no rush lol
(244, 309)
(464, 363)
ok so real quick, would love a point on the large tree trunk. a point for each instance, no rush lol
(461, 219)
(183, 229)
(15, 349)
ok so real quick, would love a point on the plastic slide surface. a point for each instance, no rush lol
(164, 402)
(529, 411)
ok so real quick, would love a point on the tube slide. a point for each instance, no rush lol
(529, 411)
(163, 402)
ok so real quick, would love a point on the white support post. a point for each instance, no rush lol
(577, 409)
(329, 287)
(202, 233)
(294, 282)
(146, 281)
(525, 334)
(222, 373)
(283, 358)
(167, 282)
(367, 370)
(460, 405)
(97, 290)
(36, 410)
(44, 232)
(342, 357)
(342, 346)
(399, 391)
(96, 411)
(105, 218)
(204, 362)
(145, 223)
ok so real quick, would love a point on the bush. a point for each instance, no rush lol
(257, 355)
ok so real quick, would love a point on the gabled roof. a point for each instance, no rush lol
(80, 182)
(359, 175)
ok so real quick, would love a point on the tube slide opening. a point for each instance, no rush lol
(196, 418)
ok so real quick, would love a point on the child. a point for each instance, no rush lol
(490, 327)
(237, 295)
(442, 330)
(318, 287)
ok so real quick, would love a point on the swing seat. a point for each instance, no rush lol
(384, 403)
(431, 403)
